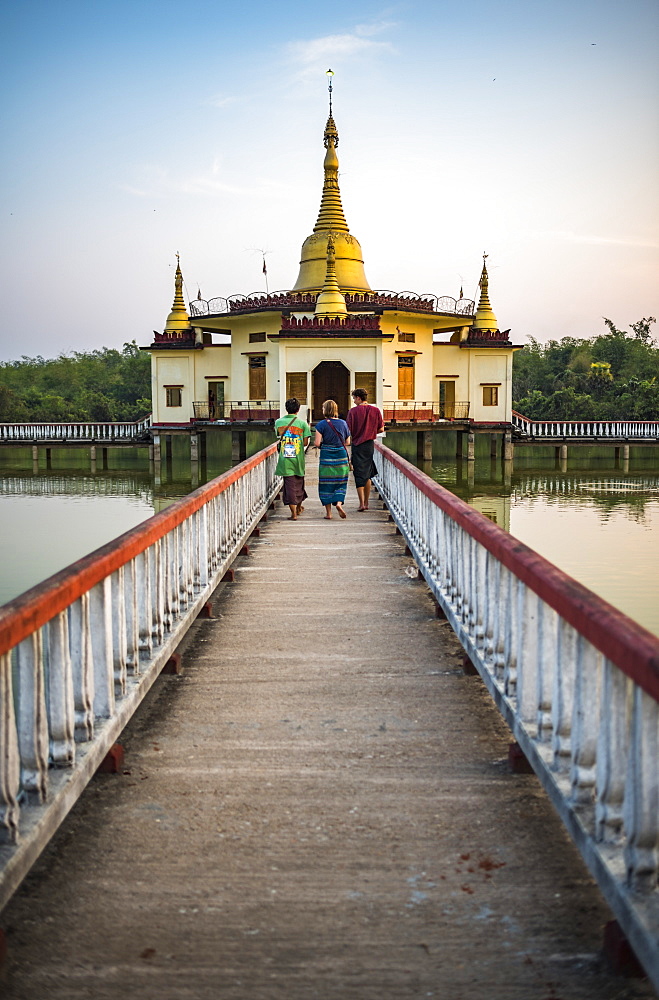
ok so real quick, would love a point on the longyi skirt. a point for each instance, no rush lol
(294, 491)
(363, 466)
(333, 469)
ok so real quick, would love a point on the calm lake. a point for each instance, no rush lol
(596, 521)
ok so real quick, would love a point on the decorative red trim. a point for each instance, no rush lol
(22, 616)
(632, 648)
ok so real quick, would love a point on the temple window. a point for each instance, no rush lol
(368, 381)
(173, 395)
(296, 386)
(257, 338)
(490, 395)
(407, 338)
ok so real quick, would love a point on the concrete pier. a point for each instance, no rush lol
(319, 805)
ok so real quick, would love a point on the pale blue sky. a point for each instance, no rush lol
(136, 129)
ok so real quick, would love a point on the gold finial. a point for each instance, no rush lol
(484, 318)
(331, 301)
(329, 75)
(178, 318)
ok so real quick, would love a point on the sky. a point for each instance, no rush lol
(136, 129)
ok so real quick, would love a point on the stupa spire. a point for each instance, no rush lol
(331, 222)
(331, 302)
(331, 214)
(178, 318)
(484, 318)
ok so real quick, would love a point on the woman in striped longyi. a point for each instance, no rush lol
(332, 437)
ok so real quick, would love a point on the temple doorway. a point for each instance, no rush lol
(331, 380)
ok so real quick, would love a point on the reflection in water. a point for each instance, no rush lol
(594, 516)
(54, 512)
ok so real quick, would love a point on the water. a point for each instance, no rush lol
(52, 516)
(597, 522)
(594, 520)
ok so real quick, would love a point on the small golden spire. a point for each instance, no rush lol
(331, 302)
(178, 318)
(485, 318)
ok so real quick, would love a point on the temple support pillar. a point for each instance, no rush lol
(238, 446)
(424, 445)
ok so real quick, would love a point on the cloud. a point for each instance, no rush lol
(218, 101)
(158, 182)
(334, 49)
(376, 28)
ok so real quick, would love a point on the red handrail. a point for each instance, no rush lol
(632, 648)
(38, 605)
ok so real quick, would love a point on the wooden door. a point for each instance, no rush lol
(257, 378)
(331, 380)
(406, 377)
(447, 400)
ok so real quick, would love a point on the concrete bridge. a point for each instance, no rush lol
(319, 797)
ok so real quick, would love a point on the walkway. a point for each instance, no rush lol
(318, 807)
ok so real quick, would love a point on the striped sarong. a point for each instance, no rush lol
(333, 471)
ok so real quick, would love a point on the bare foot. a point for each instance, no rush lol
(292, 518)
(327, 517)
(300, 508)
(341, 511)
(360, 509)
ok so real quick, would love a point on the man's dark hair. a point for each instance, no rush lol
(292, 405)
(360, 394)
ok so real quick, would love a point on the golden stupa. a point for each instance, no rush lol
(331, 224)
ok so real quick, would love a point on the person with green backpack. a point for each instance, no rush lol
(294, 435)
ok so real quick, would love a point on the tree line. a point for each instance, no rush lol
(610, 377)
(105, 384)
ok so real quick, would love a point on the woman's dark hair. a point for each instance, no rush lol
(360, 394)
(292, 405)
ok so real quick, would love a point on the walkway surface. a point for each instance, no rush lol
(319, 807)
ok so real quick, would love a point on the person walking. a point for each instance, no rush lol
(332, 437)
(365, 422)
(294, 436)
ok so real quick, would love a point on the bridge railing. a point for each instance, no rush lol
(614, 429)
(68, 431)
(402, 411)
(79, 652)
(576, 680)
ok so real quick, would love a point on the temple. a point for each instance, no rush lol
(424, 358)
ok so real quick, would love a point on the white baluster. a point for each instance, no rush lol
(80, 643)
(501, 620)
(548, 621)
(143, 581)
(641, 805)
(203, 555)
(157, 593)
(61, 707)
(10, 769)
(132, 618)
(563, 693)
(585, 721)
(119, 641)
(100, 616)
(31, 717)
(611, 765)
(511, 640)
